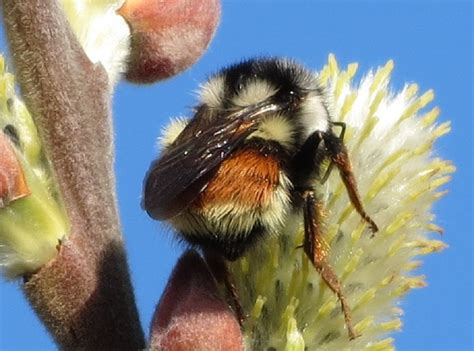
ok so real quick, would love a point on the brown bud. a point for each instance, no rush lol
(167, 36)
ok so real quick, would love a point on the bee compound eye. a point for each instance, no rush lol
(239, 84)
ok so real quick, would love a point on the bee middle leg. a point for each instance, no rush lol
(220, 270)
(317, 253)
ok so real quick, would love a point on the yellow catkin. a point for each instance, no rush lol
(411, 91)
(383, 345)
(393, 325)
(364, 324)
(347, 105)
(430, 117)
(381, 75)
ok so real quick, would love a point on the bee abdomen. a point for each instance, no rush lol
(247, 199)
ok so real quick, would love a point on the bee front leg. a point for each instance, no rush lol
(316, 250)
(338, 155)
(221, 273)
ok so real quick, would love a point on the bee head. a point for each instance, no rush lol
(276, 80)
(257, 80)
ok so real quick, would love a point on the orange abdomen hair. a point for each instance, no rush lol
(247, 178)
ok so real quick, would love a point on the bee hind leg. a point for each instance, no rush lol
(316, 249)
(221, 273)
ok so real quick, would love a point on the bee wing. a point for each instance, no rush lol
(186, 167)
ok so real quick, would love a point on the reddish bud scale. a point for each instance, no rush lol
(167, 36)
(190, 315)
(12, 180)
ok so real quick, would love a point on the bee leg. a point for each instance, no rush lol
(338, 155)
(219, 269)
(314, 248)
(341, 138)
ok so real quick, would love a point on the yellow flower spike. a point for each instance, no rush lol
(396, 245)
(364, 324)
(383, 345)
(327, 308)
(442, 129)
(417, 282)
(411, 266)
(409, 284)
(433, 168)
(393, 158)
(430, 117)
(365, 298)
(398, 222)
(411, 91)
(422, 149)
(380, 182)
(386, 280)
(357, 233)
(366, 131)
(447, 167)
(353, 263)
(345, 215)
(381, 75)
(393, 325)
(295, 341)
(440, 194)
(294, 285)
(347, 105)
(399, 179)
(376, 102)
(436, 183)
(288, 314)
(430, 246)
(330, 233)
(421, 102)
(352, 69)
(336, 194)
(254, 316)
(258, 307)
(324, 75)
(345, 78)
(431, 227)
(332, 64)
(340, 84)
(439, 163)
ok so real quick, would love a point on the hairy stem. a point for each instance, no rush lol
(84, 296)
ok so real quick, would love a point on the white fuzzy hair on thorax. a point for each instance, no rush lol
(255, 91)
(313, 115)
(170, 132)
(212, 92)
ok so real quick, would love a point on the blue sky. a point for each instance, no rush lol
(431, 44)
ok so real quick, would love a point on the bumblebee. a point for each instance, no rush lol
(249, 159)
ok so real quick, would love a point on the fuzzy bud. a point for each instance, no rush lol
(190, 315)
(167, 36)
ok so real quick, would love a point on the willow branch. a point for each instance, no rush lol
(84, 296)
